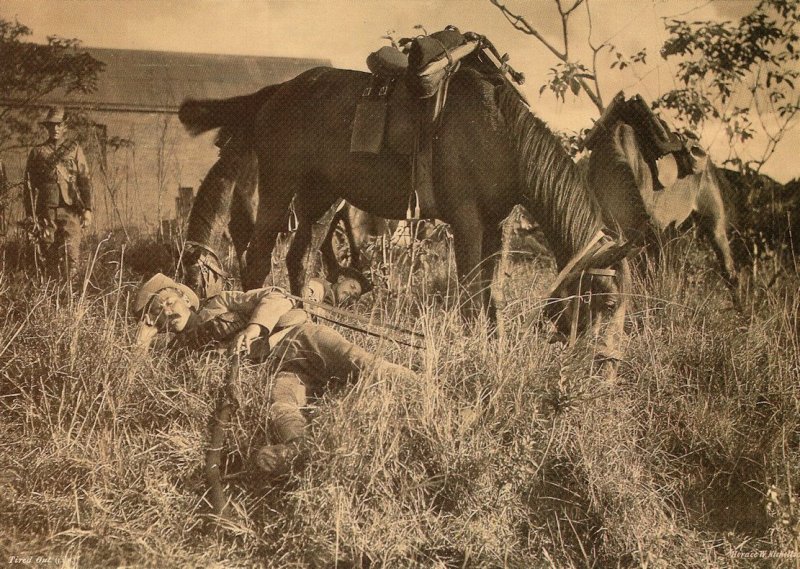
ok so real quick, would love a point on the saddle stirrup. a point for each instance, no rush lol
(293, 222)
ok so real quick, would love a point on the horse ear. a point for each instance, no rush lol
(699, 157)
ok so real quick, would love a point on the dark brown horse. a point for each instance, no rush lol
(490, 153)
(224, 209)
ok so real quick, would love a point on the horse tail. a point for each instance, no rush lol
(201, 115)
(243, 217)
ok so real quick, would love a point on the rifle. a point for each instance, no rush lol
(38, 235)
(227, 405)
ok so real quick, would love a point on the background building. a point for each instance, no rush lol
(139, 152)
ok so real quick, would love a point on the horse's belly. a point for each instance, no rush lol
(671, 205)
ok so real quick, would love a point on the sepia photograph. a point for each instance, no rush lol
(424, 284)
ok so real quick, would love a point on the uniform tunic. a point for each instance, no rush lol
(57, 191)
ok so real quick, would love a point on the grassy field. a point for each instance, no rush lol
(506, 453)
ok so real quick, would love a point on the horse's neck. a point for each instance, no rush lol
(557, 195)
(564, 240)
(552, 188)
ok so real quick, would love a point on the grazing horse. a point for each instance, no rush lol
(616, 165)
(490, 153)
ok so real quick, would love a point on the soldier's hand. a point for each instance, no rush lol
(241, 342)
(87, 218)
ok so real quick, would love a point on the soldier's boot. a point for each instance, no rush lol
(288, 426)
(277, 461)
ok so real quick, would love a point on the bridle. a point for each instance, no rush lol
(577, 267)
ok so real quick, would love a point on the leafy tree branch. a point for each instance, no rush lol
(30, 71)
(568, 74)
(742, 74)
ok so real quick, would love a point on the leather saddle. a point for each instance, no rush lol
(399, 112)
(386, 114)
(665, 153)
(396, 114)
(391, 110)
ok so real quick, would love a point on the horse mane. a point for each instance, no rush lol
(553, 188)
(625, 166)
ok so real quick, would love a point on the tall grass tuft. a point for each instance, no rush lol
(506, 452)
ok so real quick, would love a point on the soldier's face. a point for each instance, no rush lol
(55, 130)
(169, 311)
(347, 291)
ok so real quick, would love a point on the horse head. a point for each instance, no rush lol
(202, 270)
(690, 158)
(589, 297)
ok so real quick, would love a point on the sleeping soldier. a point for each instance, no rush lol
(58, 196)
(306, 358)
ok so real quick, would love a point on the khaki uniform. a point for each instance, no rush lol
(311, 359)
(58, 189)
(306, 358)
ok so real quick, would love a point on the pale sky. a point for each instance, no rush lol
(345, 31)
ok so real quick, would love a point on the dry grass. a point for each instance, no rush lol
(506, 453)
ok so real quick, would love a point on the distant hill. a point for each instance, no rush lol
(764, 213)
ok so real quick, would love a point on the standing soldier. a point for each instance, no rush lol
(58, 196)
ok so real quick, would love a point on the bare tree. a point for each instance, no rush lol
(165, 158)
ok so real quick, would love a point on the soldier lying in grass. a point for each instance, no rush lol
(306, 358)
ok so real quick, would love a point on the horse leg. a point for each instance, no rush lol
(309, 209)
(490, 250)
(241, 224)
(275, 195)
(714, 228)
(468, 232)
(355, 251)
(329, 261)
(242, 221)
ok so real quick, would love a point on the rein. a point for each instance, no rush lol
(359, 318)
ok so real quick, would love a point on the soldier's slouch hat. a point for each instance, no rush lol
(159, 282)
(55, 115)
